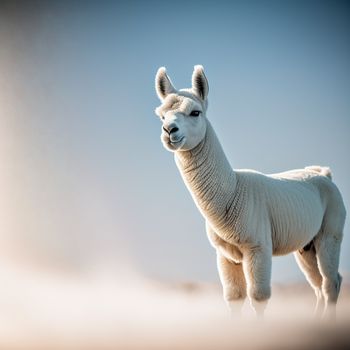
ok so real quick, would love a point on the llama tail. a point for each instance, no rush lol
(322, 170)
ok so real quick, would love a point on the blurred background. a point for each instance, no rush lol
(85, 183)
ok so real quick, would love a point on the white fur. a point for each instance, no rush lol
(251, 216)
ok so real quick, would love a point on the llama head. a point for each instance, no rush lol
(182, 112)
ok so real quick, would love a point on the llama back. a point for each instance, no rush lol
(322, 170)
(305, 173)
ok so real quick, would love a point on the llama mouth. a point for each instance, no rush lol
(174, 143)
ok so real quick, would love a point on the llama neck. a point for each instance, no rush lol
(209, 178)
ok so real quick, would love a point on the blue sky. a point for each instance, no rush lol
(84, 173)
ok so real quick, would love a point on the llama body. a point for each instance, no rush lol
(251, 216)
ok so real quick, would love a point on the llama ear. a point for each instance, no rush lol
(164, 86)
(200, 83)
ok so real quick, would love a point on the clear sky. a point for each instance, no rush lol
(83, 174)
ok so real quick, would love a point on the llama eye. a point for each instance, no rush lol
(195, 113)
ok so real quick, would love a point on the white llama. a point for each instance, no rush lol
(251, 216)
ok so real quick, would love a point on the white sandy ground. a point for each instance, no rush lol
(103, 309)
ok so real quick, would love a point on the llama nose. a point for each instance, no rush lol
(170, 128)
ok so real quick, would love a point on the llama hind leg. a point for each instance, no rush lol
(307, 262)
(328, 250)
(233, 283)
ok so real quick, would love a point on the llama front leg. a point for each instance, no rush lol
(257, 271)
(233, 284)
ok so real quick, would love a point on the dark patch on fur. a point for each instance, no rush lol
(200, 86)
(162, 86)
(307, 247)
